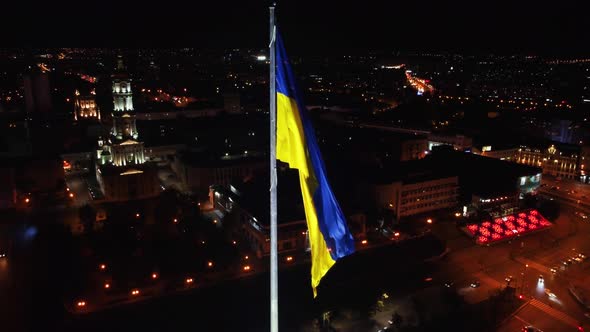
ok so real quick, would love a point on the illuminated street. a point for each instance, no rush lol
(421, 85)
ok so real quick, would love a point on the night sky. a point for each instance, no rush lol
(309, 26)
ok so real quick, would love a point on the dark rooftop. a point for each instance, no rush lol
(255, 197)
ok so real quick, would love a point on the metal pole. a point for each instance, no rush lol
(274, 282)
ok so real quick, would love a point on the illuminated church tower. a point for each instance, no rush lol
(121, 171)
(123, 147)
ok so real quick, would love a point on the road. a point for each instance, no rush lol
(541, 251)
(421, 85)
(468, 262)
(78, 188)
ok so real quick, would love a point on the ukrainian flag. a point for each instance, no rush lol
(328, 232)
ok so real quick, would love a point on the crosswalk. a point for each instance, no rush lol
(559, 315)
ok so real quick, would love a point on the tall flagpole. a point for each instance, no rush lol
(274, 278)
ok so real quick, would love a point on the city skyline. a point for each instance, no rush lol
(136, 158)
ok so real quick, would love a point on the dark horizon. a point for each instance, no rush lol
(458, 27)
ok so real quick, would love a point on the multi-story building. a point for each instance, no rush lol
(507, 153)
(448, 178)
(198, 172)
(560, 161)
(252, 213)
(560, 164)
(458, 142)
(85, 107)
(416, 188)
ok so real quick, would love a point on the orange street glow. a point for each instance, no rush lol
(247, 257)
(81, 304)
(289, 258)
(234, 242)
(27, 200)
(137, 215)
(175, 220)
(107, 285)
(215, 221)
(102, 266)
(429, 221)
(396, 234)
(154, 276)
(135, 292)
(247, 268)
(71, 195)
(210, 264)
(189, 280)
(364, 241)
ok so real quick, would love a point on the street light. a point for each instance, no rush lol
(429, 220)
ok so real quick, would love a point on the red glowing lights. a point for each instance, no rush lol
(507, 227)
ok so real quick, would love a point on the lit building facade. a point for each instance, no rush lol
(121, 169)
(552, 161)
(407, 199)
(560, 163)
(122, 148)
(85, 107)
